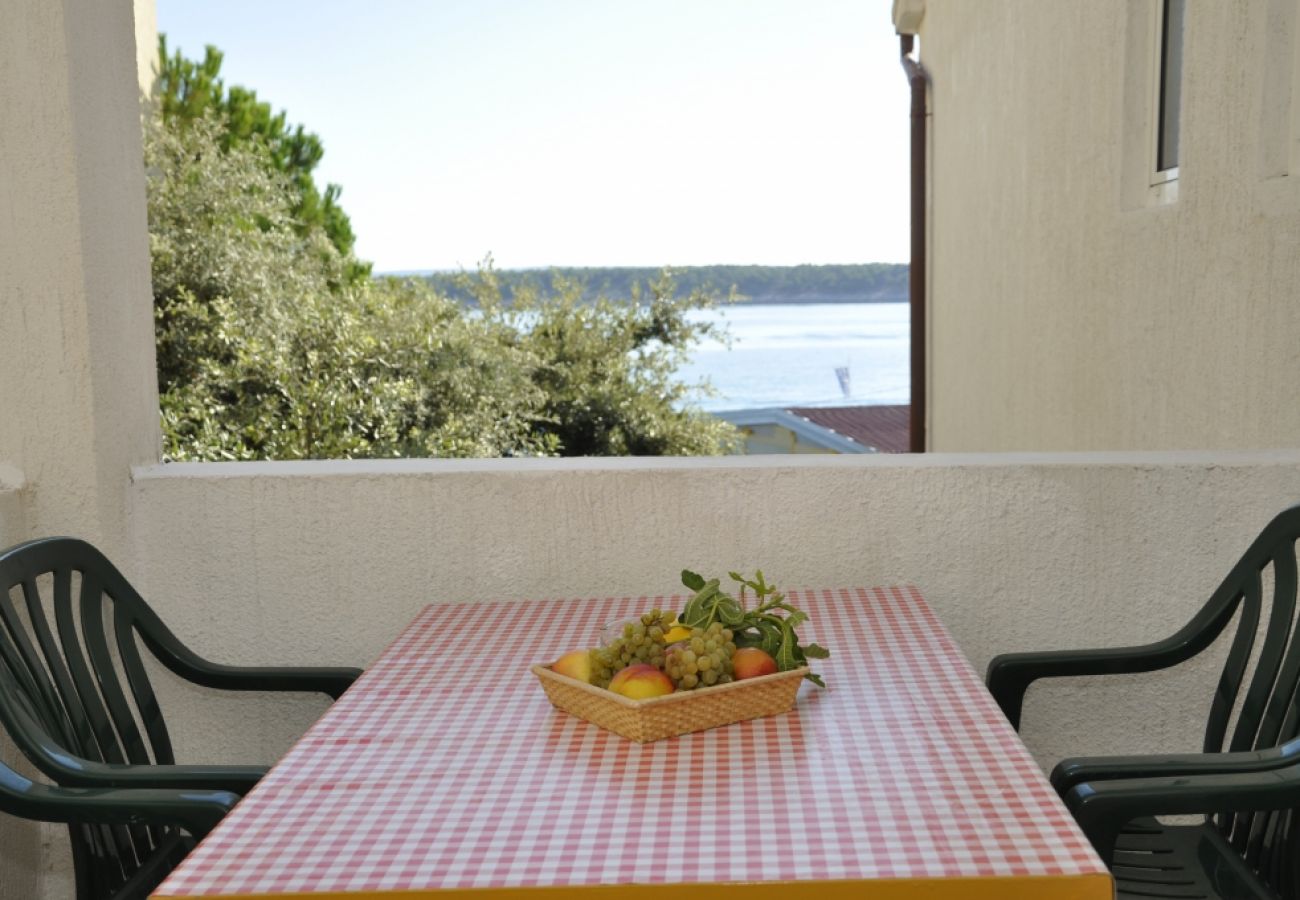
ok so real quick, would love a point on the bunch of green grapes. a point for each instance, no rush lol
(704, 659)
(641, 641)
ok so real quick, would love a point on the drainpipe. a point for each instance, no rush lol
(919, 81)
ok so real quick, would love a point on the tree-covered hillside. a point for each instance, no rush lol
(870, 282)
(273, 342)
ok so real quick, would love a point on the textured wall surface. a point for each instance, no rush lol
(79, 396)
(325, 562)
(78, 390)
(1066, 314)
(20, 842)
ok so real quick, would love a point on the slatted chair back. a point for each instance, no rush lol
(70, 666)
(1256, 705)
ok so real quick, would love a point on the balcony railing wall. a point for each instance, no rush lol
(323, 562)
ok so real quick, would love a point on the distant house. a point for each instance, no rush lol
(837, 429)
(1113, 238)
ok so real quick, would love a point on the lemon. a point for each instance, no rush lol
(677, 632)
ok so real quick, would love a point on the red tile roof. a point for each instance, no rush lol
(882, 427)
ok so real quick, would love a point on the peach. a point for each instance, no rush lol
(641, 681)
(575, 664)
(750, 662)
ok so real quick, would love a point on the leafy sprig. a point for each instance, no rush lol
(770, 625)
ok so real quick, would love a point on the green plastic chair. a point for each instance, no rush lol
(76, 698)
(1245, 781)
(124, 840)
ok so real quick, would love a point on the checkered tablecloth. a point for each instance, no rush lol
(445, 769)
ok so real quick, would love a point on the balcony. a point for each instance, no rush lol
(322, 562)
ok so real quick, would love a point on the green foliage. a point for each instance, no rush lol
(273, 345)
(769, 625)
(190, 91)
(606, 368)
(784, 284)
(266, 350)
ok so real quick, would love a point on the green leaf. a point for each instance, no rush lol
(692, 580)
(730, 612)
(815, 679)
(771, 638)
(796, 618)
(736, 576)
(815, 651)
(698, 612)
(785, 660)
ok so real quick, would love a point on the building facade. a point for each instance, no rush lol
(1114, 223)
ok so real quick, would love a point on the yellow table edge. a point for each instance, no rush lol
(1097, 886)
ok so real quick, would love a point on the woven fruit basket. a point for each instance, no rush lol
(676, 713)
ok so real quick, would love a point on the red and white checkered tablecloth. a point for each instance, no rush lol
(445, 769)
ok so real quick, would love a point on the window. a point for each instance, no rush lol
(1169, 89)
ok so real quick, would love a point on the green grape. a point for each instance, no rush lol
(702, 660)
(638, 641)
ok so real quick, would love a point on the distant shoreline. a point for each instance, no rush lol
(758, 285)
(795, 301)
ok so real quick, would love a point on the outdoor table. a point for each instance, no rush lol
(444, 772)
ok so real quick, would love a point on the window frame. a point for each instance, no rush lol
(1164, 180)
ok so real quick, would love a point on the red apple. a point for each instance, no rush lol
(751, 662)
(641, 681)
(575, 664)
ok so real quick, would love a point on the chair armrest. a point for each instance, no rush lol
(73, 771)
(1010, 674)
(69, 770)
(308, 679)
(1076, 770)
(192, 667)
(1103, 808)
(198, 812)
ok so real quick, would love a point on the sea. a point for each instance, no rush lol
(787, 355)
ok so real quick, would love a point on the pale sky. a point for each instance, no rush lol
(587, 132)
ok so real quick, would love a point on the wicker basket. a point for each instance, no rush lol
(676, 713)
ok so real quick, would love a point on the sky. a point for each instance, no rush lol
(586, 132)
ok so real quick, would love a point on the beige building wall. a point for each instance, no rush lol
(78, 390)
(324, 562)
(20, 842)
(79, 398)
(1069, 309)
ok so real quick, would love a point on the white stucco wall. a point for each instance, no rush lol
(324, 562)
(20, 842)
(78, 390)
(78, 402)
(1067, 312)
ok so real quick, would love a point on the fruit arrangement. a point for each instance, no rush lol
(715, 640)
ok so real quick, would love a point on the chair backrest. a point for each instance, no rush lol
(1256, 704)
(110, 862)
(68, 627)
(70, 667)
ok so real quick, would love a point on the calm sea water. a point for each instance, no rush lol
(786, 355)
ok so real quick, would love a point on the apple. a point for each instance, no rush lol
(751, 662)
(576, 664)
(641, 681)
